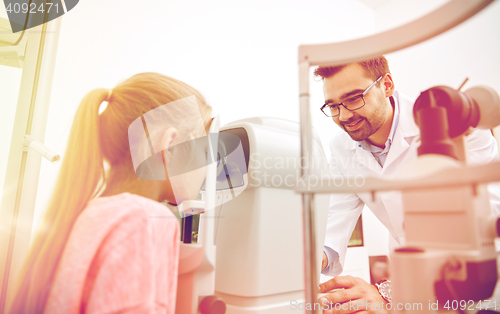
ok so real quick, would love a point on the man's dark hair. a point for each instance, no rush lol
(373, 67)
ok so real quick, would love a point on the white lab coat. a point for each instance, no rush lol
(349, 159)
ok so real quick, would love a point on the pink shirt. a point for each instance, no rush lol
(122, 256)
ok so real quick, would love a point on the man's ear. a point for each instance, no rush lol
(388, 85)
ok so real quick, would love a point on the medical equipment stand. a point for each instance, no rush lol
(196, 281)
(438, 21)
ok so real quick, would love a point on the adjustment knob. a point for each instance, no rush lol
(212, 305)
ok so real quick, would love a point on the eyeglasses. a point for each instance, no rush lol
(351, 104)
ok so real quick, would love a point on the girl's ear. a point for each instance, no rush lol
(169, 136)
(167, 139)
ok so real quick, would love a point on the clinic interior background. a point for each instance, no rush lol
(242, 55)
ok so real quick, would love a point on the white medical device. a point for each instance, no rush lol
(449, 261)
(196, 274)
(259, 237)
(256, 225)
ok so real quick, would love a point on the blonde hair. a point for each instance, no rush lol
(96, 140)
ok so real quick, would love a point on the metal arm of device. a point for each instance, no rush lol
(436, 22)
(40, 148)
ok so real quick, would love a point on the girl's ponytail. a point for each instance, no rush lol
(80, 179)
(96, 139)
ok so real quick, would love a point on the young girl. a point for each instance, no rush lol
(107, 245)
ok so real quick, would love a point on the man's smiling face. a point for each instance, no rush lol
(363, 123)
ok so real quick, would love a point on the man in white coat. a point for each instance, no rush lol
(380, 137)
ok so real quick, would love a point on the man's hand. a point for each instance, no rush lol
(354, 295)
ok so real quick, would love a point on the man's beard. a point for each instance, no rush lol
(366, 130)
